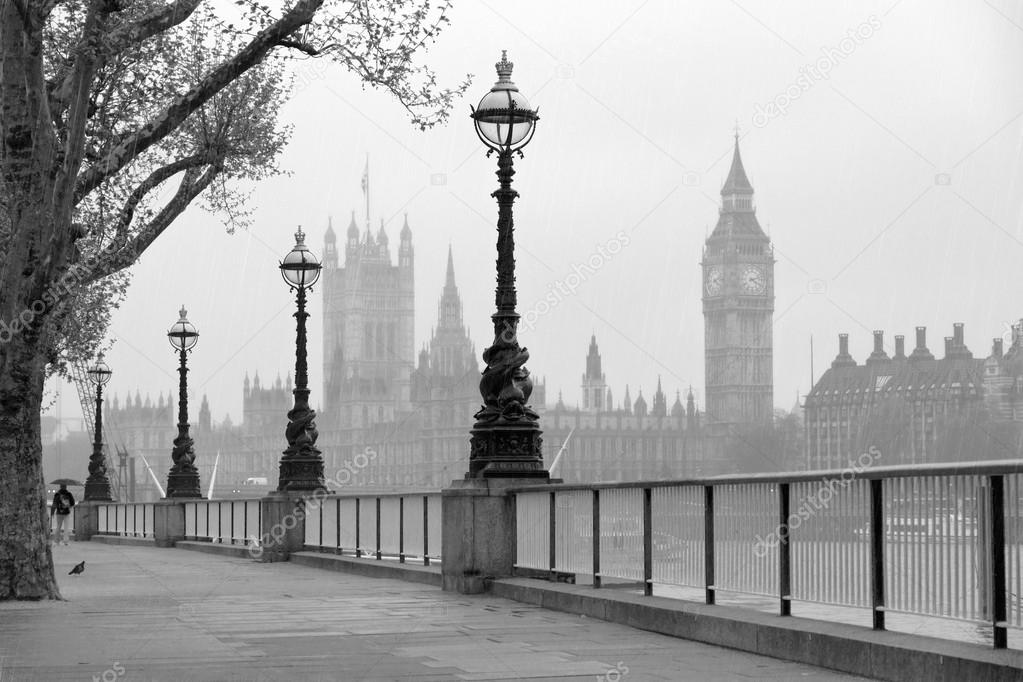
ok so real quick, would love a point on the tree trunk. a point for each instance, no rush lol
(34, 250)
(26, 563)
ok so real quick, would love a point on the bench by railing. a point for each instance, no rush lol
(940, 541)
(385, 525)
(129, 519)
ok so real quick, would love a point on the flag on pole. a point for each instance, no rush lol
(365, 178)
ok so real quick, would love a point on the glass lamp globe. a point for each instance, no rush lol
(182, 334)
(99, 373)
(300, 268)
(504, 119)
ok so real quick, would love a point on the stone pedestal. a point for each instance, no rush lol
(283, 530)
(478, 541)
(168, 522)
(86, 520)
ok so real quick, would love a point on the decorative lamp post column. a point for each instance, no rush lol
(97, 486)
(183, 479)
(506, 438)
(301, 464)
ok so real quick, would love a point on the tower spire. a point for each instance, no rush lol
(450, 308)
(449, 280)
(737, 182)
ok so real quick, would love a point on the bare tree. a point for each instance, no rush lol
(115, 115)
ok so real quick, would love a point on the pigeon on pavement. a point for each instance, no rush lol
(80, 568)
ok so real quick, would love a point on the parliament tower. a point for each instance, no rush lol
(369, 311)
(738, 307)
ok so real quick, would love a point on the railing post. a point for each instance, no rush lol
(245, 522)
(998, 578)
(877, 542)
(426, 530)
(648, 543)
(553, 556)
(596, 537)
(378, 553)
(708, 541)
(784, 552)
(358, 525)
(401, 530)
(337, 527)
(232, 523)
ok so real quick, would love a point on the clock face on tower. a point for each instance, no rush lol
(753, 280)
(715, 279)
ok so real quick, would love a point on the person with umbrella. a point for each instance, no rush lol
(63, 500)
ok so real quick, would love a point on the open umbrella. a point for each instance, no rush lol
(65, 481)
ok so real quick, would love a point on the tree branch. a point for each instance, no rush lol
(215, 81)
(191, 186)
(300, 46)
(155, 178)
(122, 37)
(82, 76)
(157, 21)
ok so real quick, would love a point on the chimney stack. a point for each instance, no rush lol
(921, 352)
(948, 346)
(959, 349)
(843, 359)
(996, 347)
(900, 347)
(878, 355)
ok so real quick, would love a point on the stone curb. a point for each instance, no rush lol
(860, 651)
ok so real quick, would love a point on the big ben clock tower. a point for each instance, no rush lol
(738, 308)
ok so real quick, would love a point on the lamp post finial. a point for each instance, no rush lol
(504, 68)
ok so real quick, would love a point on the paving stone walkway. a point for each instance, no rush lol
(140, 613)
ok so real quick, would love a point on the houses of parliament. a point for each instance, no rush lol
(410, 406)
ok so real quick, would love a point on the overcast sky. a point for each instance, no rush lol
(883, 141)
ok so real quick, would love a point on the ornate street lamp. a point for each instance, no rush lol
(183, 479)
(97, 486)
(506, 438)
(301, 464)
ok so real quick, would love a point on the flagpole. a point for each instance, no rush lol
(366, 176)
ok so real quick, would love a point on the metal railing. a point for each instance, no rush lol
(232, 522)
(128, 519)
(383, 526)
(940, 541)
